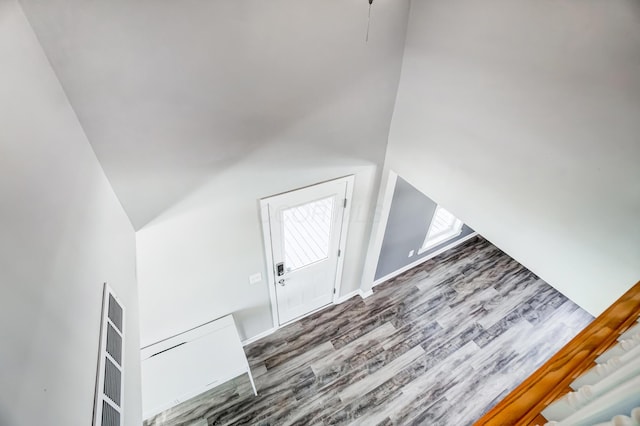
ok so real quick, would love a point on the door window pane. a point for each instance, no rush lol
(307, 231)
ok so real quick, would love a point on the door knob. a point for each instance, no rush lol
(281, 282)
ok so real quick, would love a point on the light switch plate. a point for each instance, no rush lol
(255, 278)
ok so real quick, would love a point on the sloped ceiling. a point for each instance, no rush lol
(170, 92)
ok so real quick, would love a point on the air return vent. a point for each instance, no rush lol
(109, 383)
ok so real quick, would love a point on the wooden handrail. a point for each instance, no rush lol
(524, 404)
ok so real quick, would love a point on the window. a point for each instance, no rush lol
(307, 233)
(443, 227)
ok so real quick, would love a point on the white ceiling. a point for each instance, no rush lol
(170, 91)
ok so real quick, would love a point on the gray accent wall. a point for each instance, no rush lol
(409, 218)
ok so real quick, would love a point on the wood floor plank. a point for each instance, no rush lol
(352, 412)
(432, 415)
(437, 345)
(315, 353)
(382, 375)
(420, 392)
(362, 344)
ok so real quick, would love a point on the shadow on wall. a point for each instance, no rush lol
(247, 317)
(409, 220)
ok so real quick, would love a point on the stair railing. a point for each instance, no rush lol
(603, 357)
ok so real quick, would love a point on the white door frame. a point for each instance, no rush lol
(378, 229)
(268, 248)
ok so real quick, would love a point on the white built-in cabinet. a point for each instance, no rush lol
(181, 367)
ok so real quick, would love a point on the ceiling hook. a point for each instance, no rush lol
(368, 21)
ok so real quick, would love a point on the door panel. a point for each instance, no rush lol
(305, 233)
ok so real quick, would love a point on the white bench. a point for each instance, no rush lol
(181, 367)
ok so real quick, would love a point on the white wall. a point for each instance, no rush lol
(198, 109)
(63, 233)
(326, 114)
(523, 118)
(194, 261)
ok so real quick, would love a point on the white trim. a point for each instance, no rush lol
(432, 241)
(440, 239)
(346, 214)
(339, 300)
(259, 336)
(268, 247)
(422, 260)
(308, 314)
(268, 251)
(365, 294)
(347, 296)
(383, 208)
(359, 292)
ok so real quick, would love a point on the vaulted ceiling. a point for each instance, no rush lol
(169, 92)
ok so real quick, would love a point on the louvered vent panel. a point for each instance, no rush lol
(110, 416)
(110, 374)
(112, 382)
(115, 312)
(114, 344)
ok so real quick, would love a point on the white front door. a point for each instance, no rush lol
(305, 229)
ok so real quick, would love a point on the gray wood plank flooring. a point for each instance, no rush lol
(439, 345)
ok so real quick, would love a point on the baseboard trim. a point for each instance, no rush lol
(338, 301)
(347, 296)
(365, 294)
(360, 292)
(422, 260)
(259, 336)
